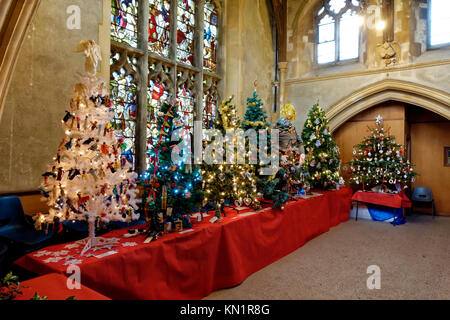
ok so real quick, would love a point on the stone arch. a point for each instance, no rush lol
(15, 17)
(432, 99)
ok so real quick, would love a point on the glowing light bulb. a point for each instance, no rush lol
(381, 25)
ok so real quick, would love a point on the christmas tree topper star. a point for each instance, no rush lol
(379, 119)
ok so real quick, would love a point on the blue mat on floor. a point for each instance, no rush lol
(380, 213)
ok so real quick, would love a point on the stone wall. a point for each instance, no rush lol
(307, 83)
(30, 127)
(248, 52)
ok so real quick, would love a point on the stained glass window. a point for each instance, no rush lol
(210, 37)
(185, 99)
(338, 31)
(209, 110)
(439, 23)
(124, 21)
(169, 79)
(123, 104)
(185, 31)
(159, 27)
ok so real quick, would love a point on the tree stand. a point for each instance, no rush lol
(94, 243)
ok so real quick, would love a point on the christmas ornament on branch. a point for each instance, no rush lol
(89, 179)
(379, 162)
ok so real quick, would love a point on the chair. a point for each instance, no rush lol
(15, 227)
(423, 194)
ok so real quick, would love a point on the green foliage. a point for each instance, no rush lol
(9, 287)
(168, 184)
(322, 163)
(255, 116)
(227, 182)
(378, 159)
(38, 297)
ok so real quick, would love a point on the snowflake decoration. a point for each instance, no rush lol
(73, 262)
(60, 253)
(42, 253)
(129, 244)
(379, 119)
(71, 246)
(53, 259)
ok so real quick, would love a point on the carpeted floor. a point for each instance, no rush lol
(414, 260)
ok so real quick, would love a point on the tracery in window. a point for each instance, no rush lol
(123, 101)
(170, 78)
(439, 23)
(185, 98)
(124, 21)
(159, 27)
(185, 31)
(338, 31)
(210, 37)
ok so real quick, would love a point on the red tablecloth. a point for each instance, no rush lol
(54, 287)
(399, 200)
(193, 264)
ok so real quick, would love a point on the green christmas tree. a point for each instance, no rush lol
(378, 159)
(172, 189)
(322, 163)
(228, 183)
(255, 118)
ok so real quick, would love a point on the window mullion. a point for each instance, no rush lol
(198, 58)
(173, 45)
(337, 39)
(142, 79)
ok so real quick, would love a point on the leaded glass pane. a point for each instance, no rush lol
(209, 110)
(185, 31)
(349, 36)
(124, 21)
(337, 5)
(210, 37)
(439, 22)
(185, 98)
(159, 27)
(123, 104)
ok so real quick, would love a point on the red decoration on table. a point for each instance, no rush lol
(399, 200)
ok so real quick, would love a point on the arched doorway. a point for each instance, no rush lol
(407, 92)
(422, 130)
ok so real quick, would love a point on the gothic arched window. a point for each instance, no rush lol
(337, 31)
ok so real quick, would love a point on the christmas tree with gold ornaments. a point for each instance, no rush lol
(322, 164)
(89, 179)
(379, 161)
(230, 182)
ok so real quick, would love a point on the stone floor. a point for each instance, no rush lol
(414, 260)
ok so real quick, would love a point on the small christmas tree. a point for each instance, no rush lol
(228, 183)
(255, 116)
(172, 187)
(378, 160)
(322, 163)
(89, 180)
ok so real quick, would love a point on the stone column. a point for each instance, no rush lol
(283, 67)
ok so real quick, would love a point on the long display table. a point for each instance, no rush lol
(194, 263)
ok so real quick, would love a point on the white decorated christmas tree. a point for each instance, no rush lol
(89, 180)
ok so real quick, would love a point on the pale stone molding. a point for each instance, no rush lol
(15, 17)
(429, 98)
